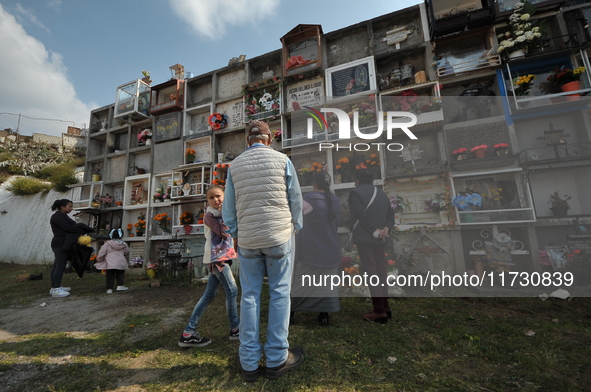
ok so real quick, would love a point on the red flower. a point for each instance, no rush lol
(577, 251)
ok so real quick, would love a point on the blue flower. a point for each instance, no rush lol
(474, 199)
(460, 201)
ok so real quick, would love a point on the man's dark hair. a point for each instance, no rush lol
(364, 176)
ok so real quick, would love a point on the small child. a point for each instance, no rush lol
(111, 257)
(218, 254)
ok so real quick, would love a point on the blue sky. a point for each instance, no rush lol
(63, 58)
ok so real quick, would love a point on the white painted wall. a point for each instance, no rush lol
(25, 234)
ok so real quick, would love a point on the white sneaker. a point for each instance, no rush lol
(110, 291)
(58, 293)
(122, 288)
(59, 288)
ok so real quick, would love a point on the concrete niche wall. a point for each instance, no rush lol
(345, 47)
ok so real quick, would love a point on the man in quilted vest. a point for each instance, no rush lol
(263, 209)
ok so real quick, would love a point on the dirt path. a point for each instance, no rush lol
(88, 314)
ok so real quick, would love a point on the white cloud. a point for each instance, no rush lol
(210, 18)
(55, 5)
(28, 13)
(34, 82)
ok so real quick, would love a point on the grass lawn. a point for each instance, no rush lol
(431, 344)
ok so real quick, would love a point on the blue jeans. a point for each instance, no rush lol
(226, 279)
(277, 263)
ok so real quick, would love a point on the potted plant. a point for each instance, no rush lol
(277, 135)
(522, 84)
(189, 156)
(479, 151)
(460, 154)
(187, 219)
(568, 80)
(162, 220)
(151, 270)
(559, 206)
(345, 171)
(502, 149)
(523, 34)
(140, 225)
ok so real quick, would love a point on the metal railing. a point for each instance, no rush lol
(554, 153)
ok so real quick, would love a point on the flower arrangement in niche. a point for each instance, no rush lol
(398, 204)
(262, 103)
(189, 155)
(410, 101)
(144, 135)
(346, 169)
(161, 192)
(523, 34)
(136, 262)
(562, 76)
(579, 263)
(522, 84)
(557, 203)
(467, 200)
(277, 135)
(106, 199)
(187, 218)
(140, 225)
(130, 230)
(306, 172)
(373, 164)
(296, 61)
(163, 220)
(545, 258)
(436, 204)
(218, 121)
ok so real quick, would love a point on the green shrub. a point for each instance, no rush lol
(79, 160)
(14, 169)
(61, 181)
(5, 156)
(54, 170)
(27, 186)
(3, 177)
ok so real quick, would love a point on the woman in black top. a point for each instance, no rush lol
(61, 225)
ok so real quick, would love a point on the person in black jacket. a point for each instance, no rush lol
(374, 225)
(61, 226)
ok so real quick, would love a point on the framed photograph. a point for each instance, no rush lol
(168, 126)
(351, 78)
